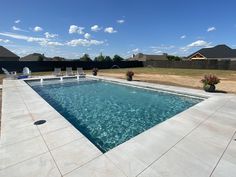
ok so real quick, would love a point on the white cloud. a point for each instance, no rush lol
(18, 29)
(163, 47)
(87, 36)
(4, 40)
(198, 43)
(183, 37)
(50, 43)
(158, 52)
(41, 41)
(50, 35)
(136, 50)
(95, 28)
(84, 42)
(17, 21)
(23, 37)
(38, 28)
(15, 28)
(211, 29)
(76, 29)
(120, 21)
(109, 30)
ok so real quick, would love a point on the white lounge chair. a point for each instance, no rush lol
(57, 72)
(8, 74)
(69, 71)
(80, 72)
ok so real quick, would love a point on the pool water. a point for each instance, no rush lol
(109, 114)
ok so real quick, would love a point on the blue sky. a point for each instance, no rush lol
(70, 28)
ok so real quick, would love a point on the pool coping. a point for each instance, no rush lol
(135, 157)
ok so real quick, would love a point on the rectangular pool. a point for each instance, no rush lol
(109, 114)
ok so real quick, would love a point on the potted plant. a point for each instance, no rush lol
(209, 82)
(129, 75)
(95, 71)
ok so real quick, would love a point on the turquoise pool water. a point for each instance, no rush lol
(109, 114)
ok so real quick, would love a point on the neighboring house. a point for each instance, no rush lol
(40, 57)
(7, 55)
(219, 52)
(145, 57)
(57, 58)
(34, 57)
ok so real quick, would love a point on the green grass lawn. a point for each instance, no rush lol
(173, 71)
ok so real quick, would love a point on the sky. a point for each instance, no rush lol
(70, 28)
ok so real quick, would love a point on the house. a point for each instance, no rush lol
(145, 57)
(34, 57)
(7, 55)
(57, 58)
(219, 52)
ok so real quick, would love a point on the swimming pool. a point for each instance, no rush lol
(109, 114)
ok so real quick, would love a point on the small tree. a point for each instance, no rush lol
(41, 58)
(99, 58)
(85, 58)
(173, 58)
(117, 58)
(108, 58)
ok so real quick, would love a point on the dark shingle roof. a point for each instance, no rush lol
(146, 57)
(219, 51)
(33, 57)
(5, 53)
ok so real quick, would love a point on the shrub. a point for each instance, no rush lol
(95, 70)
(129, 73)
(210, 80)
(174, 58)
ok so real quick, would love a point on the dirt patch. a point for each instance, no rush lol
(226, 84)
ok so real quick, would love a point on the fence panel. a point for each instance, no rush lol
(39, 66)
(197, 64)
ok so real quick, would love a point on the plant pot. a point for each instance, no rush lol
(209, 88)
(129, 78)
(94, 73)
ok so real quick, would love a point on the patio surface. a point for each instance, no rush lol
(199, 142)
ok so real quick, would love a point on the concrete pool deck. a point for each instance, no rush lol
(199, 142)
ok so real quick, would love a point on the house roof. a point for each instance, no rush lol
(219, 51)
(5, 53)
(156, 57)
(33, 57)
(145, 57)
